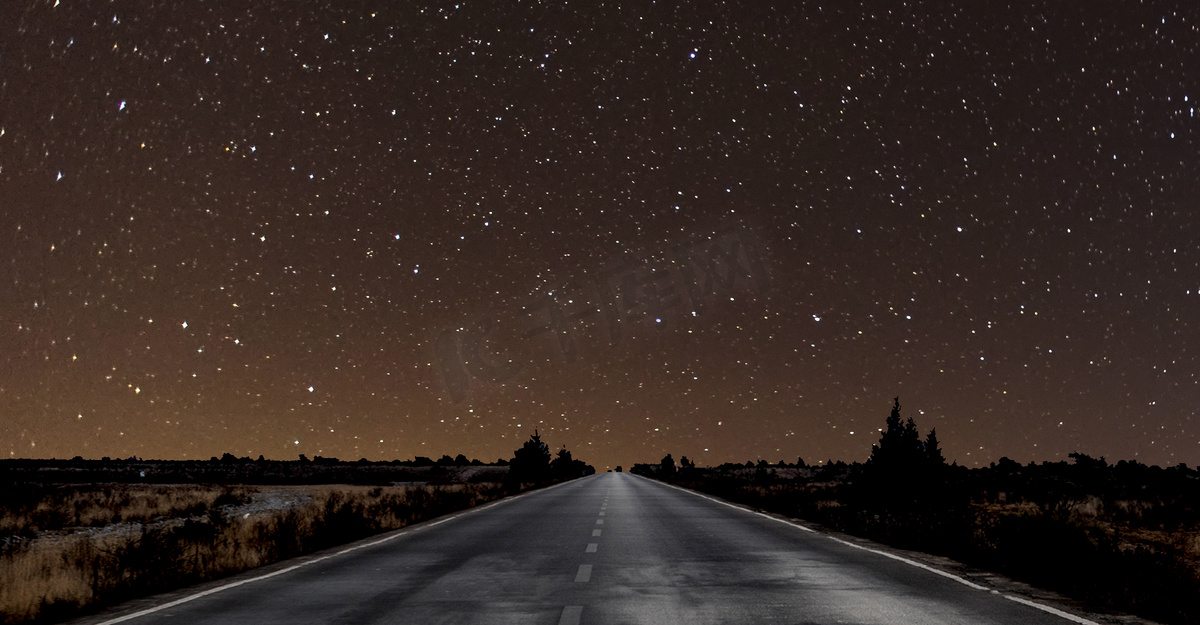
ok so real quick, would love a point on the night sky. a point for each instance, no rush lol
(728, 231)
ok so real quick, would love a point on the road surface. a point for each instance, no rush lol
(610, 548)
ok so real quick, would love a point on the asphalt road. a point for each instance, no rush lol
(611, 548)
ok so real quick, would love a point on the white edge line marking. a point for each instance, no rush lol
(919, 565)
(1033, 604)
(737, 507)
(404, 531)
(1055, 611)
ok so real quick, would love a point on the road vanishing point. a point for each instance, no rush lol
(609, 548)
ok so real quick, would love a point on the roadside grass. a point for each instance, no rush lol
(76, 550)
(30, 510)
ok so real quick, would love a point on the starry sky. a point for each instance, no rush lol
(725, 230)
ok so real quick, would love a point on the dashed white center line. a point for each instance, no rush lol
(595, 532)
(599, 521)
(584, 574)
(571, 615)
(591, 548)
(601, 513)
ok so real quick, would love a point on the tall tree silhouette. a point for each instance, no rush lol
(933, 452)
(900, 445)
(531, 463)
(904, 473)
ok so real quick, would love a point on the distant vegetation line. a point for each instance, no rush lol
(232, 470)
(1122, 537)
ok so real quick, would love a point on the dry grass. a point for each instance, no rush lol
(34, 511)
(1124, 519)
(63, 572)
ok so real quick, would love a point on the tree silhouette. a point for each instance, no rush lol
(899, 446)
(565, 467)
(904, 473)
(933, 452)
(531, 463)
(667, 465)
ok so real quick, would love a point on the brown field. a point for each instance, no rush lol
(70, 549)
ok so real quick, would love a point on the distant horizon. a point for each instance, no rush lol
(436, 459)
